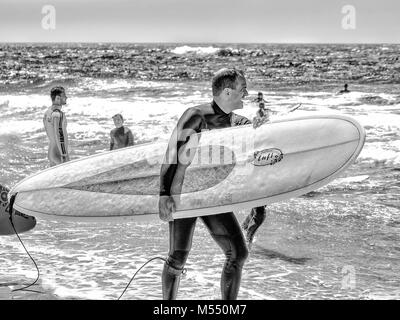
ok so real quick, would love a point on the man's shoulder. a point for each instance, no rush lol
(238, 120)
(56, 113)
(127, 130)
(50, 114)
(200, 109)
(196, 111)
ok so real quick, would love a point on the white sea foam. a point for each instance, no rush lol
(349, 180)
(197, 50)
(387, 152)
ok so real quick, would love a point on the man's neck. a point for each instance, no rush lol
(54, 107)
(222, 106)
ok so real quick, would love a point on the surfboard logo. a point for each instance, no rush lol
(267, 157)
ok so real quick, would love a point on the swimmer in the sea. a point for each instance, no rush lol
(121, 136)
(262, 115)
(345, 90)
(260, 98)
(55, 124)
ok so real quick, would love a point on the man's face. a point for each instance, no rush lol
(238, 94)
(61, 99)
(118, 122)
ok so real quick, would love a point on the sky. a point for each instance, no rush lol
(201, 21)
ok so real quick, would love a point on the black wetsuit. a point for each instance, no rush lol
(120, 138)
(224, 228)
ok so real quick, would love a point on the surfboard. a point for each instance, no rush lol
(230, 169)
(22, 222)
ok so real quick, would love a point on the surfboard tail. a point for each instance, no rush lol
(12, 221)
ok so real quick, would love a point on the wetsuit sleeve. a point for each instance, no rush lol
(57, 120)
(190, 122)
(130, 138)
(239, 120)
(111, 140)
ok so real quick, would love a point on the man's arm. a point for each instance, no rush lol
(111, 140)
(130, 138)
(57, 119)
(239, 120)
(190, 122)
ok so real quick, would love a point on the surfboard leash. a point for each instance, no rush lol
(148, 261)
(11, 205)
(133, 277)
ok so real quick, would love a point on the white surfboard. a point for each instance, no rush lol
(232, 168)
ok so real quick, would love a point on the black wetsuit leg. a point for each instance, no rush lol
(225, 230)
(253, 221)
(180, 243)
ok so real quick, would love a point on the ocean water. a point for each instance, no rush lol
(338, 242)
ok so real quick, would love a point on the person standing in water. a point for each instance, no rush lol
(260, 98)
(229, 89)
(121, 136)
(55, 124)
(262, 115)
(345, 90)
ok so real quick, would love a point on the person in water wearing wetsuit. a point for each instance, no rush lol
(262, 115)
(345, 90)
(55, 124)
(121, 136)
(260, 98)
(229, 88)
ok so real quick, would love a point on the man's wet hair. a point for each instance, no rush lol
(56, 91)
(260, 93)
(225, 78)
(118, 115)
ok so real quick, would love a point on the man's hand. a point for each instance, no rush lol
(166, 206)
(258, 121)
(65, 158)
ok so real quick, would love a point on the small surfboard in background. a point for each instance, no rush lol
(22, 222)
(294, 108)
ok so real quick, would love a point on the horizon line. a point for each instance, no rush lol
(184, 42)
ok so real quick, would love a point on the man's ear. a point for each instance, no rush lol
(227, 91)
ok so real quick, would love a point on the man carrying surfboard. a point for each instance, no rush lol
(229, 89)
(55, 124)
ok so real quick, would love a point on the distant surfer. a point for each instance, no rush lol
(345, 90)
(229, 88)
(55, 124)
(121, 136)
(262, 115)
(260, 98)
